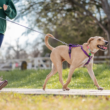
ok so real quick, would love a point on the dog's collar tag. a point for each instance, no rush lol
(90, 51)
(89, 54)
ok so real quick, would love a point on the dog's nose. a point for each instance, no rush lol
(106, 42)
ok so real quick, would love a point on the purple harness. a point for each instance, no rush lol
(70, 46)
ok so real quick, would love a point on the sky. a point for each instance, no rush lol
(13, 32)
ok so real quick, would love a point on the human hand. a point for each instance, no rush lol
(5, 7)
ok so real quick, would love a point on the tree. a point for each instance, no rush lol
(17, 51)
(35, 52)
(103, 5)
(23, 51)
(73, 18)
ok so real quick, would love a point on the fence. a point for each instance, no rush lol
(33, 63)
(41, 63)
(102, 59)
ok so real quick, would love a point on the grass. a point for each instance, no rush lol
(35, 79)
(13, 101)
(80, 78)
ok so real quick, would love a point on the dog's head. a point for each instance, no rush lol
(98, 43)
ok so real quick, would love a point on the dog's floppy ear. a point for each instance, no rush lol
(92, 38)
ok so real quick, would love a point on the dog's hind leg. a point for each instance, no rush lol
(53, 71)
(58, 65)
(59, 69)
(69, 77)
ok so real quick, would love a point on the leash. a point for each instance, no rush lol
(32, 30)
(70, 45)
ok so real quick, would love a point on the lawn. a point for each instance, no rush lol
(35, 78)
(13, 101)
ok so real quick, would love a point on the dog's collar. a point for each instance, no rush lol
(90, 51)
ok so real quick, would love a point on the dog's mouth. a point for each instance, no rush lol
(102, 47)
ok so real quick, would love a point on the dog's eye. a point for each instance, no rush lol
(99, 39)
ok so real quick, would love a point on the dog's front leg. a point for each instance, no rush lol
(72, 68)
(91, 73)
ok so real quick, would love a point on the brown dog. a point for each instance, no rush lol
(78, 59)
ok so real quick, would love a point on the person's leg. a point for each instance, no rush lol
(1, 38)
(5, 82)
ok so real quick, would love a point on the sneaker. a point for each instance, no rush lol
(3, 84)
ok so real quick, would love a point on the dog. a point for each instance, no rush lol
(78, 59)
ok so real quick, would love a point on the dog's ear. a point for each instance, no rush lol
(92, 38)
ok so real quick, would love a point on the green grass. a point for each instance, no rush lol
(35, 79)
(13, 101)
(80, 78)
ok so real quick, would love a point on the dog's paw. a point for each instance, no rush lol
(67, 89)
(43, 88)
(64, 89)
(100, 88)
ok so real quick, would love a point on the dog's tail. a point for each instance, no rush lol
(46, 41)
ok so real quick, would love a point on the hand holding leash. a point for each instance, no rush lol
(5, 7)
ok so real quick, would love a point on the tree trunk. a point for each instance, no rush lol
(106, 8)
(17, 54)
(109, 35)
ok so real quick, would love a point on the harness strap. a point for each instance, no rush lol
(88, 60)
(84, 51)
(70, 50)
(87, 55)
(70, 46)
